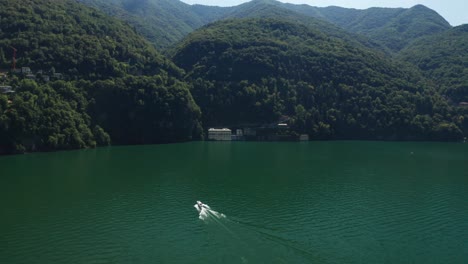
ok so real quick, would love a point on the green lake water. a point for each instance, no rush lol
(314, 202)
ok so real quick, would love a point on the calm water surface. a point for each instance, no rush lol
(316, 202)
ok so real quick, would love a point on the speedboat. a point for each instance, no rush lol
(200, 206)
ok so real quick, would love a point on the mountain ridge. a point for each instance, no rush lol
(352, 20)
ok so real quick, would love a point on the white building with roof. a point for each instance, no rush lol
(221, 134)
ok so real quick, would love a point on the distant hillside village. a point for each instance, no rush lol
(27, 73)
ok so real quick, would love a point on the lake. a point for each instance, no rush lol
(310, 202)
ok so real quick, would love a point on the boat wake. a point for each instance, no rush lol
(243, 232)
(206, 213)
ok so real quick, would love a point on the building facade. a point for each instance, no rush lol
(220, 134)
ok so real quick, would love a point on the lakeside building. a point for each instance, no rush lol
(272, 132)
(250, 132)
(239, 136)
(221, 134)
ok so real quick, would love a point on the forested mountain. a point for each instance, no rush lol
(165, 22)
(275, 10)
(257, 70)
(394, 28)
(444, 59)
(162, 22)
(75, 40)
(211, 13)
(77, 107)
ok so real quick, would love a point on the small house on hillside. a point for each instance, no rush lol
(282, 126)
(26, 70)
(6, 89)
(30, 76)
(3, 74)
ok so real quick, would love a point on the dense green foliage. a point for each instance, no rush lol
(116, 86)
(162, 22)
(394, 28)
(139, 110)
(444, 59)
(74, 40)
(165, 22)
(275, 10)
(67, 115)
(46, 117)
(254, 71)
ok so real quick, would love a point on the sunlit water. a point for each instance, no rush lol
(316, 202)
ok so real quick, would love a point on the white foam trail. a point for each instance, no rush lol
(206, 212)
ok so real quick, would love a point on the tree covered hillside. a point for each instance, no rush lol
(75, 40)
(112, 82)
(162, 22)
(257, 70)
(165, 22)
(275, 10)
(393, 28)
(46, 117)
(444, 59)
